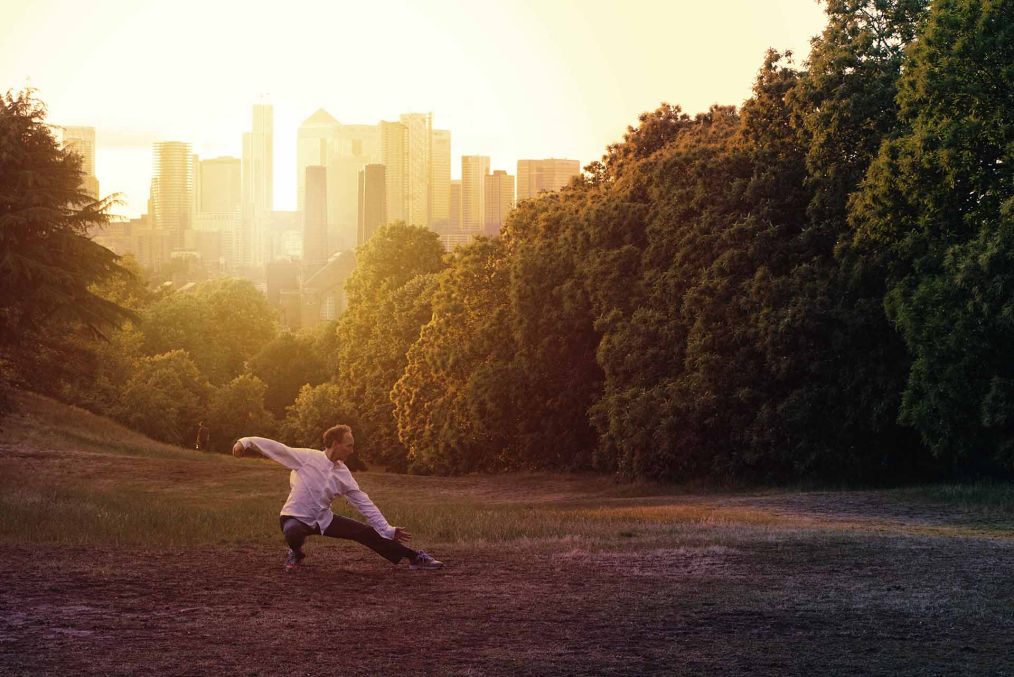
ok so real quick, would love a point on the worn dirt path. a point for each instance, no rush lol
(925, 606)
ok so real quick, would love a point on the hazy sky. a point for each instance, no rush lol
(510, 79)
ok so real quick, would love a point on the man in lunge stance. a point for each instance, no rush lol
(316, 478)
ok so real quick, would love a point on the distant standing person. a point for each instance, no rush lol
(202, 437)
(316, 478)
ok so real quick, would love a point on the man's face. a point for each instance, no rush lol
(340, 451)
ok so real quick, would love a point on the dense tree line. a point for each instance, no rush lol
(817, 284)
(814, 285)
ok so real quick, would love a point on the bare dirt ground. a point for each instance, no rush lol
(910, 606)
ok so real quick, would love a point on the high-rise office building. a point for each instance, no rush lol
(474, 169)
(372, 201)
(344, 150)
(499, 200)
(81, 140)
(172, 191)
(454, 206)
(258, 161)
(315, 249)
(315, 139)
(217, 220)
(552, 174)
(342, 201)
(419, 130)
(257, 187)
(353, 147)
(359, 141)
(440, 179)
(394, 156)
(217, 185)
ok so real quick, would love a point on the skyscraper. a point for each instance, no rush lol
(315, 250)
(440, 179)
(499, 200)
(315, 138)
(353, 147)
(258, 160)
(258, 184)
(359, 141)
(372, 201)
(454, 206)
(551, 174)
(217, 185)
(217, 220)
(81, 140)
(172, 191)
(394, 156)
(474, 169)
(419, 128)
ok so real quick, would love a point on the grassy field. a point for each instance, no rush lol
(591, 576)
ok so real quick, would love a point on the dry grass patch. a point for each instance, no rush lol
(79, 478)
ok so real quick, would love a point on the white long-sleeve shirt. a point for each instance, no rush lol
(314, 482)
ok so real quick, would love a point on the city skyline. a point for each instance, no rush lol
(558, 79)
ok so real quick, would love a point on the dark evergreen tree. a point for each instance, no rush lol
(47, 260)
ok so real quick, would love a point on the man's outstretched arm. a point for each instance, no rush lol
(276, 451)
(361, 502)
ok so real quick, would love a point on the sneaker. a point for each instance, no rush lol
(424, 561)
(293, 559)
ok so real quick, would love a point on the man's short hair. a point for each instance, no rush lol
(335, 434)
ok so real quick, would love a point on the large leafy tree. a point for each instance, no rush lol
(389, 301)
(165, 398)
(838, 364)
(824, 333)
(316, 409)
(222, 325)
(236, 410)
(47, 261)
(454, 404)
(738, 344)
(647, 423)
(939, 201)
(553, 325)
(110, 359)
(844, 104)
(286, 364)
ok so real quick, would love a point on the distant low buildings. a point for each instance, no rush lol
(317, 298)
(551, 174)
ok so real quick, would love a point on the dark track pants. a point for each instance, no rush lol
(342, 527)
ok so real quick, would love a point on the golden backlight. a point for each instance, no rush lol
(554, 78)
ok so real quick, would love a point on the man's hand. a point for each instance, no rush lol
(401, 535)
(237, 450)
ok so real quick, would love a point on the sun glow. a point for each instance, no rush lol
(509, 79)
